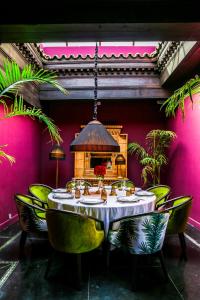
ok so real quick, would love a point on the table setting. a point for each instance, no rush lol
(107, 208)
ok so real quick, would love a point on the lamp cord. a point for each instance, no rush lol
(95, 83)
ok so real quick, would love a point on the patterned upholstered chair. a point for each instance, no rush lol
(140, 235)
(31, 217)
(73, 233)
(178, 209)
(40, 191)
(161, 191)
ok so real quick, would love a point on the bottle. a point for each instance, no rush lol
(104, 194)
(113, 191)
(86, 191)
(77, 193)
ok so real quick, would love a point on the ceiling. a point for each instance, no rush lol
(138, 20)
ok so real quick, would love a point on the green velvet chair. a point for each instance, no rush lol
(179, 209)
(40, 191)
(140, 235)
(161, 191)
(73, 233)
(32, 218)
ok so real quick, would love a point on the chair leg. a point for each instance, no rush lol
(22, 242)
(162, 262)
(183, 245)
(134, 262)
(79, 273)
(107, 254)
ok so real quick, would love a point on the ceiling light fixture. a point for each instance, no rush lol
(94, 137)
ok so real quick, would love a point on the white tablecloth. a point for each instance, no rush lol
(105, 212)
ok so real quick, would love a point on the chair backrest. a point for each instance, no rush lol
(72, 233)
(40, 191)
(142, 234)
(179, 212)
(161, 191)
(31, 217)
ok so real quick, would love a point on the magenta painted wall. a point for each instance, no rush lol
(23, 137)
(184, 156)
(136, 117)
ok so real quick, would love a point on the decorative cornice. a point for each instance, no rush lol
(166, 52)
(107, 71)
(55, 58)
(79, 66)
(30, 52)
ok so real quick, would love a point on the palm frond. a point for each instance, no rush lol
(177, 100)
(12, 78)
(4, 155)
(153, 229)
(150, 161)
(161, 159)
(18, 108)
(126, 234)
(158, 140)
(136, 148)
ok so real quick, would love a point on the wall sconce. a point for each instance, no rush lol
(57, 153)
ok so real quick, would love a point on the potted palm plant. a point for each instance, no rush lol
(177, 99)
(154, 157)
(12, 79)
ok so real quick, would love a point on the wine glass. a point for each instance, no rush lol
(81, 183)
(123, 185)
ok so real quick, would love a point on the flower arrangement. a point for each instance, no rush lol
(100, 171)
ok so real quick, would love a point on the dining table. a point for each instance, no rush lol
(113, 208)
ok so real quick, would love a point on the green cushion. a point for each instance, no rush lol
(161, 192)
(40, 191)
(179, 216)
(72, 233)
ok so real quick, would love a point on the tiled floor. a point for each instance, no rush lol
(24, 279)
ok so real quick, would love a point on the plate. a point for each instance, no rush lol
(91, 201)
(107, 187)
(132, 198)
(144, 193)
(62, 196)
(59, 190)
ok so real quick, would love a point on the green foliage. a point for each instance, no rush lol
(126, 234)
(12, 79)
(177, 100)
(18, 108)
(153, 229)
(10, 158)
(152, 159)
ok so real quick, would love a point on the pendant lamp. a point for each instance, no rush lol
(94, 137)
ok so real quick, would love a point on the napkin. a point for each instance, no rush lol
(62, 196)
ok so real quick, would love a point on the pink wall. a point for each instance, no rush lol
(23, 138)
(136, 117)
(184, 167)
